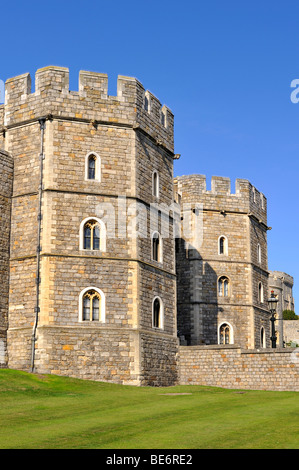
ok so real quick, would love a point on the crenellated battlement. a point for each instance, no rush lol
(246, 198)
(278, 276)
(133, 105)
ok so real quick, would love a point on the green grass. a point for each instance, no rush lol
(50, 412)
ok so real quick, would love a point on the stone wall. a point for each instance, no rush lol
(6, 183)
(291, 331)
(89, 352)
(282, 285)
(159, 360)
(235, 368)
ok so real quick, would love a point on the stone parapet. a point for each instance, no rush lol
(52, 98)
(246, 199)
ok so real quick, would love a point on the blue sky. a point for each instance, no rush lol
(224, 68)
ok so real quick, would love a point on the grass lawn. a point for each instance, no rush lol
(50, 412)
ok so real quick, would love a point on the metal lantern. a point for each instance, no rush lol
(272, 302)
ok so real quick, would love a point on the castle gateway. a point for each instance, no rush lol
(103, 252)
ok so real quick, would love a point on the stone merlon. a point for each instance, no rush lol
(133, 106)
(246, 198)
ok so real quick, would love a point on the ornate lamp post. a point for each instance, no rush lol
(272, 302)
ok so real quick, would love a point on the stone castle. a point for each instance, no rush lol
(113, 270)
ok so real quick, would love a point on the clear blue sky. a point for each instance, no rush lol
(223, 67)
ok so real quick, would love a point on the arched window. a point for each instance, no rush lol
(259, 253)
(261, 292)
(222, 245)
(253, 194)
(225, 334)
(156, 247)
(92, 234)
(163, 118)
(147, 102)
(223, 286)
(263, 338)
(158, 313)
(92, 305)
(155, 184)
(92, 167)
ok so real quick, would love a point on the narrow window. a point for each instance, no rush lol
(87, 237)
(222, 248)
(156, 247)
(263, 342)
(95, 308)
(147, 102)
(96, 237)
(225, 334)
(223, 287)
(163, 117)
(92, 167)
(86, 308)
(259, 253)
(157, 313)
(261, 292)
(253, 193)
(156, 319)
(155, 184)
(91, 235)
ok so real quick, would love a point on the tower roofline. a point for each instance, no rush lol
(52, 96)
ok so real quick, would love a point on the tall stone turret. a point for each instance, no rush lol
(88, 297)
(222, 265)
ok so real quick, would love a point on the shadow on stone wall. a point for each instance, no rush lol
(197, 304)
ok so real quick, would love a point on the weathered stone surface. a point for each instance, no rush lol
(46, 197)
(236, 368)
(6, 183)
(130, 143)
(241, 218)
